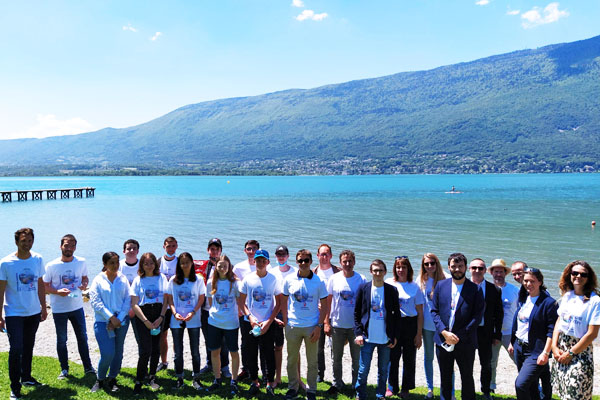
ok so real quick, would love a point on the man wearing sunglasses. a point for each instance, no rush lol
(457, 308)
(489, 331)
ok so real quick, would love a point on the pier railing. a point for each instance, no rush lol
(23, 195)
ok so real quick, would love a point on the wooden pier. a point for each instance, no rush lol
(23, 195)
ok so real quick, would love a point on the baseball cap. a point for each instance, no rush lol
(261, 253)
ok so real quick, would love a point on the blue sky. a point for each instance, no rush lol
(75, 66)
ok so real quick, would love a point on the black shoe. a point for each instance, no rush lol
(233, 388)
(216, 385)
(291, 394)
(90, 371)
(332, 391)
(31, 381)
(311, 396)
(179, 384)
(97, 386)
(137, 389)
(112, 385)
(254, 389)
(243, 375)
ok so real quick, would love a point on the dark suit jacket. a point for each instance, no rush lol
(468, 312)
(494, 312)
(362, 310)
(541, 323)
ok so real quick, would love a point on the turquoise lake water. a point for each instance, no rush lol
(544, 220)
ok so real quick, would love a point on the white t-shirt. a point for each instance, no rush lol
(21, 276)
(149, 289)
(260, 294)
(523, 318)
(456, 289)
(325, 274)
(223, 312)
(343, 298)
(67, 275)
(304, 298)
(275, 270)
(242, 269)
(575, 316)
(377, 333)
(130, 271)
(185, 299)
(409, 296)
(167, 268)
(510, 297)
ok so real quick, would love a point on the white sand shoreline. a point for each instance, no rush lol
(46, 346)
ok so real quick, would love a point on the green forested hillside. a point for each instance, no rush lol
(530, 110)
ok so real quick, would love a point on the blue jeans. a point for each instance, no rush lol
(111, 349)
(526, 384)
(77, 319)
(21, 337)
(428, 359)
(383, 360)
(194, 336)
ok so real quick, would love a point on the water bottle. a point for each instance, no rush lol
(155, 331)
(256, 330)
(111, 332)
(72, 295)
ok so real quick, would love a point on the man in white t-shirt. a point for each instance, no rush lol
(168, 264)
(64, 280)
(324, 270)
(260, 303)
(23, 301)
(281, 270)
(240, 270)
(510, 297)
(304, 308)
(129, 265)
(339, 322)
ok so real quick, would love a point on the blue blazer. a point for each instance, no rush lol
(541, 322)
(362, 311)
(468, 312)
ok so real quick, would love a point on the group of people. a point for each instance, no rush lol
(270, 303)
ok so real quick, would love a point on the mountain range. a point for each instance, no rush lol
(527, 110)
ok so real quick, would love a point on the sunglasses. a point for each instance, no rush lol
(251, 249)
(303, 260)
(532, 270)
(575, 274)
(400, 257)
(477, 268)
(432, 263)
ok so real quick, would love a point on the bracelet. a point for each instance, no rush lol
(571, 354)
(145, 320)
(162, 316)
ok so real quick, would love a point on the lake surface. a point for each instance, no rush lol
(544, 220)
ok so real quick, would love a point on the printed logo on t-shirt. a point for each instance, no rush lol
(152, 292)
(377, 306)
(221, 299)
(26, 281)
(507, 304)
(347, 297)
(184, 294)
(69, 280)
(260, 298)
(300, 295)
(523, 318)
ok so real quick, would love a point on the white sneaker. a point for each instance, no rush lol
(64, 374)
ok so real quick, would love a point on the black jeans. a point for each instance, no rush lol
(321, 354)
(224, 354)
(148, 345)
(484, 349)
(405, 347)
(529, 373)
(266, 343)
(21, 337)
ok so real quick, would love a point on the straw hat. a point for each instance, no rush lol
(498, 262)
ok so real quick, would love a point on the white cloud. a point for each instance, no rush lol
(310, 15)
(50, 125)
(156, 36)
(297, 3)
(482, 2)
(129, 28)
(513, 12)
(548, 15)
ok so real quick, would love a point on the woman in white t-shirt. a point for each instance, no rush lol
(431, 274)
(223, 322)
(575, 330)
(147, 301)
(185, 295)
(411, 301)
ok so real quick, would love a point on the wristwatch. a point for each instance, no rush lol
(571, 354)
(320, 326)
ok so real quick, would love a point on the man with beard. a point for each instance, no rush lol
(64, 280)
(22, 295)
(457, 309)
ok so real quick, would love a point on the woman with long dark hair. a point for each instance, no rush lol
(576, 328)
(531, 338)
(185, 296)
(411, 301)
(147, 301)
(109, 297)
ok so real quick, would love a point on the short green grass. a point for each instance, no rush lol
(77, 386)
